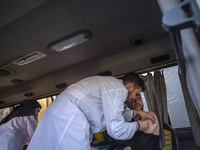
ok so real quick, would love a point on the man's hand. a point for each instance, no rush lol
(146, 115)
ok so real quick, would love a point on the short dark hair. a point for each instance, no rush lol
(134, 78)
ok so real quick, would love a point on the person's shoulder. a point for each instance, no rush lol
(29, 117)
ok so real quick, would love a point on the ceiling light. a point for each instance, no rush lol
(71, 41)
(29, 58)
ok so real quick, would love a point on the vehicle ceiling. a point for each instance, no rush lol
(28, 26)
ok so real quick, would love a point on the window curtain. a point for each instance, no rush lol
(156, 98)
(192, 113)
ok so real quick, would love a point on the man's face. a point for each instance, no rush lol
(136, 103)
(133, 93)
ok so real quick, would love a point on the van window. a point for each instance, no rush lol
(145, 107)
(4, 112)
(44, 102)
(175, 100)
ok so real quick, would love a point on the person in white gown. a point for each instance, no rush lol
(86, 107)
(19, 125)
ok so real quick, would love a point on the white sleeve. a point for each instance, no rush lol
(128, 114)
(113, 106)
(30, 125)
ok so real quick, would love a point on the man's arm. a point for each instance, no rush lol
(113, 104)
(142, 125)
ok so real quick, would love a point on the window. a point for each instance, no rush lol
(44, 102)
(144, 102)
(175, 100)
(4, 112)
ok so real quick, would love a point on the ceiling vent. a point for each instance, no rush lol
(1, 102)
(4, 72)
(160, 59)
(135, 41)
(28, 94)
(16, 81)
(61, 86)
(105, 73)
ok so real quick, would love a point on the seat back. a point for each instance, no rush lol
(170, 136)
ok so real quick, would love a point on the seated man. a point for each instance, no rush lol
(147, 139)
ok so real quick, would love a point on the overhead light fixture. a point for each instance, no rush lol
(29, 58)
(71, 41)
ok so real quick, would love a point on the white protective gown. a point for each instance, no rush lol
(14, 133)
(84, 108)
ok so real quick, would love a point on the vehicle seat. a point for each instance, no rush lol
(170, 136)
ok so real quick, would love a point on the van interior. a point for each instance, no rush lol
(47, 45)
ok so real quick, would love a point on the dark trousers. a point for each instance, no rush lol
(140, 141)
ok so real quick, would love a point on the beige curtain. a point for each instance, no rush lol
(156, 98)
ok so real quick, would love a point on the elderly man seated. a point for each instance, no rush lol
(147, 139)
